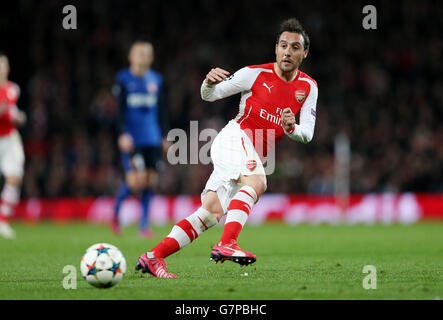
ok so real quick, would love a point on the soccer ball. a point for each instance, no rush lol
(103, 265)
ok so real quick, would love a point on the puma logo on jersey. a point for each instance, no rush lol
(267, 87)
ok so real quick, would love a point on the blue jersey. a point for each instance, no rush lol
(139, 100)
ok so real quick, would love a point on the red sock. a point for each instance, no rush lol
(231, 232)
(183, 233)
(165, 248)
(238, 212)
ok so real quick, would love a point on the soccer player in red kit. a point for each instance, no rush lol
(271, 95)
(11, 150)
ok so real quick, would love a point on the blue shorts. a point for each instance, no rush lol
(142, 158)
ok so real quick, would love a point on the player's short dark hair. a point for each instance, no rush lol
(293, 25)
(140, 40)
(3, 54)
(143, 38)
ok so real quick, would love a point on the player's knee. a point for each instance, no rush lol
(257, 182)
(260, 188)
(14, 181)
(216, 211)
(132, 183)
(149, 179)
(144, 184)
(135, 188)
(217, 215)
(260, 185)
(212, 204)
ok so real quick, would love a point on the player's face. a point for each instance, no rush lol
(4, 68)
(141, 54)
(290, 51)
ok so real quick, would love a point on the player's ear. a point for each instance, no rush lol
(151, 54)
(131, 53)
(305, 54)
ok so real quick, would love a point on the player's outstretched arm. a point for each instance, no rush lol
(218, 84)
(18, 117)
(125, 142)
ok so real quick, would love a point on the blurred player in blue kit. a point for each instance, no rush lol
(143, 122)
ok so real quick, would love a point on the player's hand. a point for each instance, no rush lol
(216, 75)
(21, 118)
(125, 143)
(287, 119)
(18, 117)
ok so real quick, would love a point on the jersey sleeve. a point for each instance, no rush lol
(236, 83)
(304, 131)
(119, 92)
(19, 92)
(12, 109)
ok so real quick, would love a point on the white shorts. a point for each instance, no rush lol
(232, 154)
(12, 156)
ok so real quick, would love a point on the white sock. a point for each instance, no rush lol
(241, 205)
(10, 197)
(238, 213)
(183, 233)
(191, 227)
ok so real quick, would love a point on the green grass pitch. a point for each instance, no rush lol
(293, 262)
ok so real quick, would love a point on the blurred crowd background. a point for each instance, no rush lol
(383, 88)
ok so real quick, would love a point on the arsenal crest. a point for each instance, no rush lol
(300, 95)
(251, 164)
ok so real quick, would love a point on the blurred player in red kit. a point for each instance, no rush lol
(271, 95)
(12, 157)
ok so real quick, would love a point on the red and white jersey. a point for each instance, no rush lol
(9, 94)
(264, 95)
